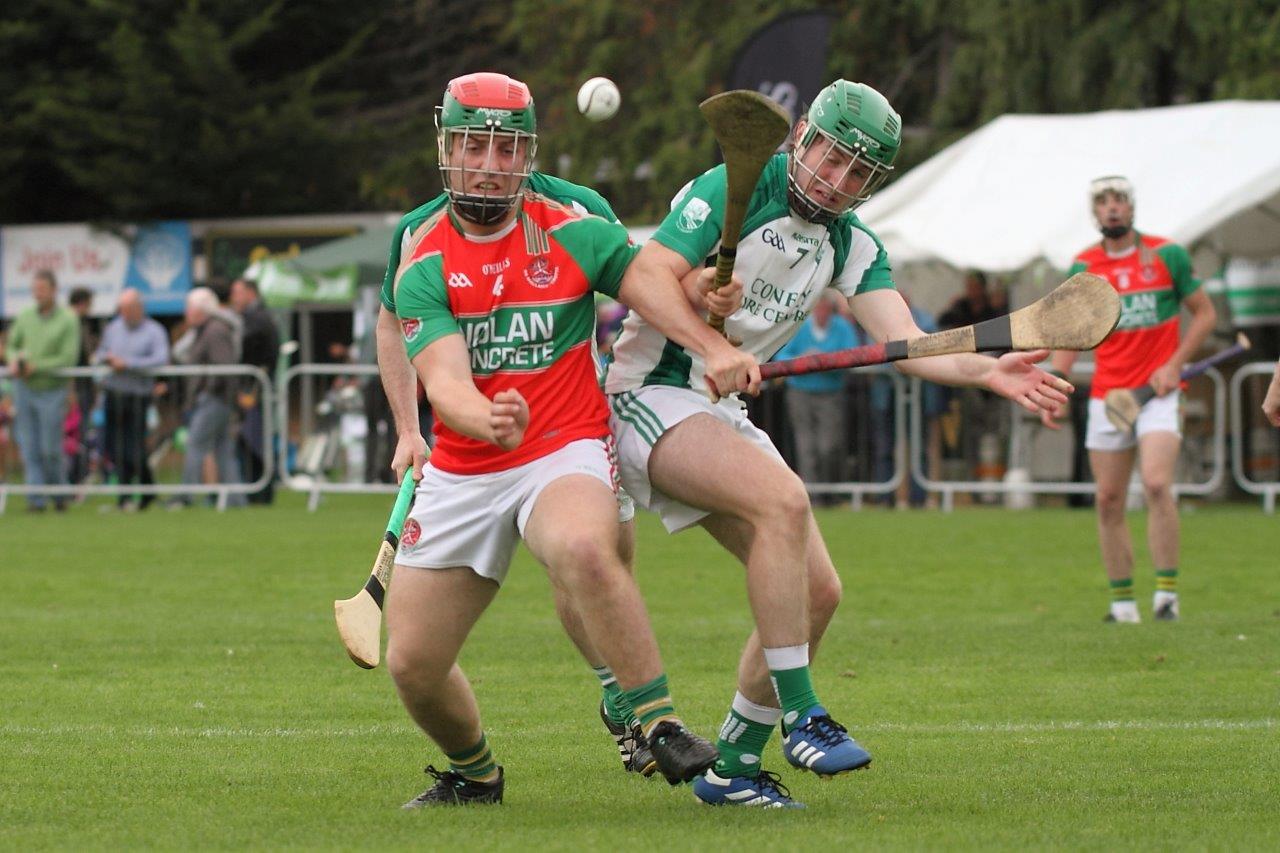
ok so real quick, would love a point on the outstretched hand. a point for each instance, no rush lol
(1016, 377)
(508, 418)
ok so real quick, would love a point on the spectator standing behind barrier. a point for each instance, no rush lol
(816, 401)
(261, 349)
(933, 398)
(131, 343)
(982, 413)
(83, 391)
(212, 339)
(44, 338)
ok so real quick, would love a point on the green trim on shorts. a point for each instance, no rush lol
(640, 416)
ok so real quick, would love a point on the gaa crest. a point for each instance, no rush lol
(541, 273)
(411, 534)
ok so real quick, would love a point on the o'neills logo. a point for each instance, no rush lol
(540, 273)
(411, 328)
(411, 534)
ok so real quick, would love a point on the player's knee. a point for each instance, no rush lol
(788, 505)
(413, 668)
(1157, 489)
(1111, 503)
(585, 562)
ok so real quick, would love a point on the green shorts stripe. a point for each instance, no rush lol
(624, 414)
(640, 411)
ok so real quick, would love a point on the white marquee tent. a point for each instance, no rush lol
(1013, 194)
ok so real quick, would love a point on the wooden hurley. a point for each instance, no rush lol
(1077, 315)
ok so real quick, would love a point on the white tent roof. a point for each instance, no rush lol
(1016, 190)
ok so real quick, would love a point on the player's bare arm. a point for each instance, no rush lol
(445, 369)
(699, 286)
(885, 315)
(1167, 377)
(398, 381)
(1271, 404)
(651, 286)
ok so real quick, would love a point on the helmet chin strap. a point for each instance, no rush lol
(480, 210)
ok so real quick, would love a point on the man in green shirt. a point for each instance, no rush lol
(44, 338)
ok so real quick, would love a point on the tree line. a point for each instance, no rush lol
(148, 109)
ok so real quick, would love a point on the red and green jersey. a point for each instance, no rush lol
(1152, 279)
(522, 300)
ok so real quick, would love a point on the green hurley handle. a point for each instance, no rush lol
(401, 509)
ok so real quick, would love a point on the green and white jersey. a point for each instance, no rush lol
(784, 262)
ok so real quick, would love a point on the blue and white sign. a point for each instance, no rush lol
(160, 266)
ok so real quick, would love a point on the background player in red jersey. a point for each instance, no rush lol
(493, 291)
(1155, 281)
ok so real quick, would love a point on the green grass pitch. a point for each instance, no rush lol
(175, 681)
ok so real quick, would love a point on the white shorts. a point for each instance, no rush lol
(475, 520)
(639, 418)
(1159, 414)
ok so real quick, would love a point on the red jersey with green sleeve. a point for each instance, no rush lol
(523, 302)
(1152, 279)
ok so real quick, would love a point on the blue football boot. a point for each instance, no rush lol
(818, 743)
(764, 790)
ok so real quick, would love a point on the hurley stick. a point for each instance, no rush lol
(1077, 315)
(749, 128)
(360, 618)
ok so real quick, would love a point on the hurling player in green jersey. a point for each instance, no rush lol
(696, 462)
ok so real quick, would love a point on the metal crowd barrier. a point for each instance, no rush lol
(949, 488)
(221, 491)
(1268, 491)
(857, 490)
(316, 483)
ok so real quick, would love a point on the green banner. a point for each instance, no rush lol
(283, 283)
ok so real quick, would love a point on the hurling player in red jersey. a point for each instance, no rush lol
(493, 293)
(1149, 347)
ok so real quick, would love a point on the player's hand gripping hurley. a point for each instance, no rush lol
(749, 128)
(360, 618)
(1076, 315)
(1124, 404)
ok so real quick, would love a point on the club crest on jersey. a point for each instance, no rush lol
(541, 273)
(694, 214)
(411, 328)
(411, 534)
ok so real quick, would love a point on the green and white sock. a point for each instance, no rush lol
(476, 763)
(615, 704)
(743, 737)
(651, 703)
(789, 671)
(1122, 590)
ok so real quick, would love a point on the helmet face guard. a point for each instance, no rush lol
(485, 128)
(458, 171)
(856, 135)
(820, 200)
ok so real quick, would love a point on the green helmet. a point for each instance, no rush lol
(485, 106)
(864, 134)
